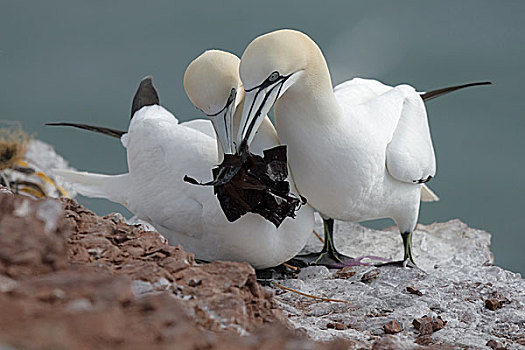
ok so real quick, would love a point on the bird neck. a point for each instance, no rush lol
(311, 96)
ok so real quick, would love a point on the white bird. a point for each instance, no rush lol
(359, 152)
(161, 151)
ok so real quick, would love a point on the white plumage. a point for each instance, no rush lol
(160, 152)
(357, 152)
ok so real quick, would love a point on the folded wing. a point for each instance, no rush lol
(410, 154)
(398, 119)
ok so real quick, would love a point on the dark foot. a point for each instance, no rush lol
(329, 256)
(329, 259)
(407, 263)
(408, 260)
(400, 263)
(283, 271)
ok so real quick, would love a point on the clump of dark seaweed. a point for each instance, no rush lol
(246, 182)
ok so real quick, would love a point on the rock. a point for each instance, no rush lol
(345, 272)
(225, 295)
(157, 321)
(313, 272)
(389, 342)
(370, 275)
(492, 304)
(75, 280)
(336, 325)
(392, 327)
(455, 278)
(413, 290)
(26, 254)
(495, 345)
(428, 325)
(88, 282)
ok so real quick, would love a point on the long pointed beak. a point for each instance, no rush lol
(223, 125)
(250, 115)
(257, 103)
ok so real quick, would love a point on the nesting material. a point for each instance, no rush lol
(246, 182)
(23, 163)
(13, 144)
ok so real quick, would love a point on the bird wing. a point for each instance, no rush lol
(160, 153)
(359, 90)
(203, 125)
(410, 154)
(397, 119)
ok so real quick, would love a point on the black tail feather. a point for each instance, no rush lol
(429, 95)
(99, 129)
(146, 95)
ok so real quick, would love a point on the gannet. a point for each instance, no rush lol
(358, 152)
(161, 151)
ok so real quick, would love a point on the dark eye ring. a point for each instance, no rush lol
(273, 77)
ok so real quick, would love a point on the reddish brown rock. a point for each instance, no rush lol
(345, 272)
(222, 294)
(438, 323)
(415, 291)
(73, 284)
(424, 340)
(337, 325)
(370, 276)
(492, 304)
(428, 325)
(231, 291)
(155, 321)
(27, 246)
(426, 328)
(111, 244)
(495, 345)
(388, 342)
(392, 327)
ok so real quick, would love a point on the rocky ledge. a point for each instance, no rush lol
(71, 279)
(457, 299)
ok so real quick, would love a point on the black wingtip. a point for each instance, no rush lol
(100, 129)
(429, 95)
(146, 95)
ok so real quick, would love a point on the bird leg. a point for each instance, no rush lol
(408, 257)
(329, 256)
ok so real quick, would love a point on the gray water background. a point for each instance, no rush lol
(81, 61)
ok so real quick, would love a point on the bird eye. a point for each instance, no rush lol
(273, 77)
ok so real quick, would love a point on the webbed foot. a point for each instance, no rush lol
(328, 258)
(283, 271)
(408, 258)
(407, 263)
